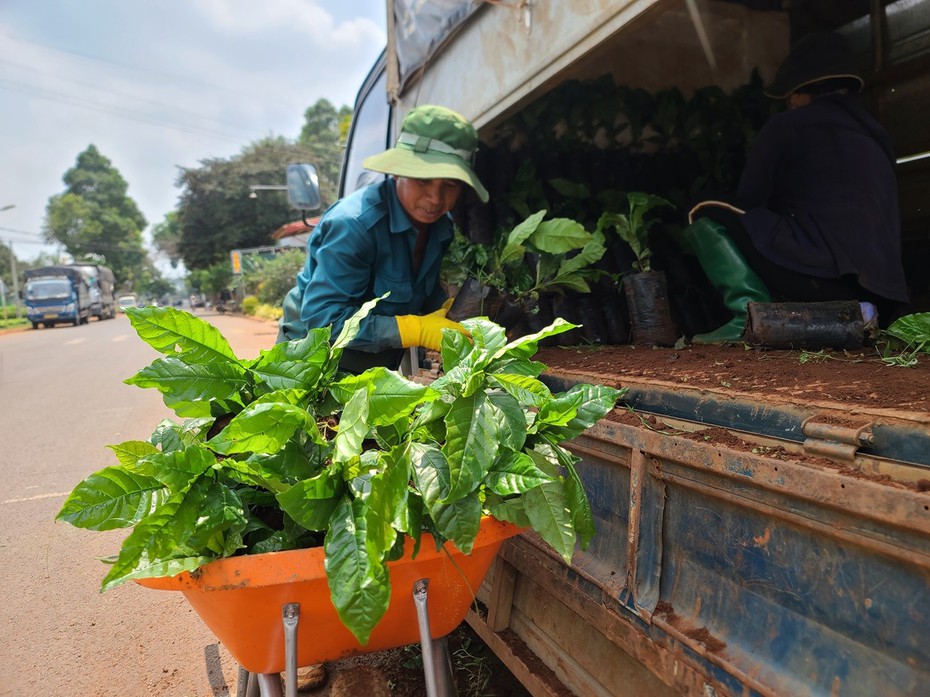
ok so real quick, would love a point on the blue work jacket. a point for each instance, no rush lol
(361, 249)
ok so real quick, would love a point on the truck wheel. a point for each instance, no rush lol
(35, 325)
(77, 320)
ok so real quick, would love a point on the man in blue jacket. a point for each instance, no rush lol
(389, 237)
(816, 214)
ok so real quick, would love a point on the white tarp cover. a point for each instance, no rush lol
(420, 27)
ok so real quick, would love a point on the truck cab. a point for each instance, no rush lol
(55, 295)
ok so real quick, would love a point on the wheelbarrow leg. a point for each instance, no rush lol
(291, 613)
(269, 684)
(437, 664)
(246, 684)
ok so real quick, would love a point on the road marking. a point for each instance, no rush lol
(36, 498)
(75, 341)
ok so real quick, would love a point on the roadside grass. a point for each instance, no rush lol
(13, 322)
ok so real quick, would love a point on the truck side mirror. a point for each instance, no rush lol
(303, 187)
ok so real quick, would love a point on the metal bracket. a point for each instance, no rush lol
(833, 441)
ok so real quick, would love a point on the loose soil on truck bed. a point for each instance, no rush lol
(855, 380)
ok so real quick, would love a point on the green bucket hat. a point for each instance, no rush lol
(434, 143)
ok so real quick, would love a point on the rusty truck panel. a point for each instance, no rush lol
(727, 563)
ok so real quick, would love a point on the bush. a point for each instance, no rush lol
(249, 303)
(273, 278)
(268, 312)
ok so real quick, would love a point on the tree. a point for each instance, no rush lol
(217, 215)
(211, 280)
(166, 236)
(6, 267)
(324, 134)
(94, 216)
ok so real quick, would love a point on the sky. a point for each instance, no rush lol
(160, 85)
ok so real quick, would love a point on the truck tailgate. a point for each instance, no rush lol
(749, 541)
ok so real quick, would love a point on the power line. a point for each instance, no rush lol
(119, 95)
(21, 232)
(122, 113)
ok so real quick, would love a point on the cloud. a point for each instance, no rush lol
(243, 17)
(158, 86)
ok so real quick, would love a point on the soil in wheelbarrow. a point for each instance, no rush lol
(399, 672)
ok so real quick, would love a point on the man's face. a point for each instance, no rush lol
(427, 200)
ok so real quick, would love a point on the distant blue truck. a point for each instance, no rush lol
(68, 294)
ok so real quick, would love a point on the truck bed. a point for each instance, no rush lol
(763, 528)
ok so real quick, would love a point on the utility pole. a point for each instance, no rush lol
(13, 270)
(19, 311)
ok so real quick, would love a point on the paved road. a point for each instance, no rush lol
(62, 400)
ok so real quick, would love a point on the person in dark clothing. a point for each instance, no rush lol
(815, 217)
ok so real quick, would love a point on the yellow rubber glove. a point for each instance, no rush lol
(447, 305)
(425, 330)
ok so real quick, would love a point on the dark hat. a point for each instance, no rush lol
(814, 58)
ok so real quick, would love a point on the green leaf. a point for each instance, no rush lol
(454, 347)
(595, 402)
(522, 232)
(591, 253)
(353, 428)
(262, 427)
(386, 503)
(211, 519)
(171, 331)
(391, 396)
(515, 473)
(311, 502)
(169, 436)
(524, 388)
(527, 346)
(511, 509)
(548, 513)
(155, 541)
(430, 472)
(559, 236)
(458, 521)
(295, 461)
(486, 337)
(359, 584)
(580, 507)
(190, 382)
(351, 325)
(560, 410)
(471, 443)
(131, 451)
(575, 282)
(913, 329)
(176, 469)
(294, 364)
(112, 498)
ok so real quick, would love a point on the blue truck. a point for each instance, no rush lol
(57, 295)
(751, 540)
(102, 284)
